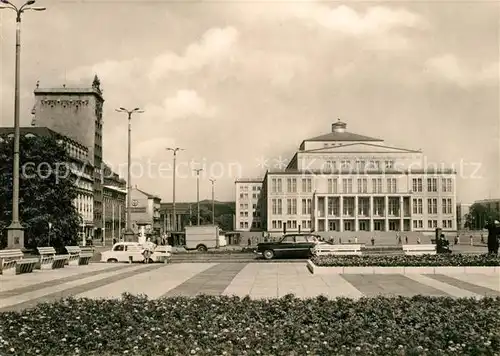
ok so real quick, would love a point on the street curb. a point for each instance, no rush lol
(486, 270)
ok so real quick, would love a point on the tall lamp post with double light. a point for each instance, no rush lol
(174, 220)
(129, 234)
(15, 231)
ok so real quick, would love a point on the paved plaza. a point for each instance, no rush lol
(259, 280)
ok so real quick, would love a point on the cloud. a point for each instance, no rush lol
(345, 20)
(215, 44)
(453, 70)
(185, 104)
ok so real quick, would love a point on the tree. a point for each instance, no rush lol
(46, 192)
(479, 215)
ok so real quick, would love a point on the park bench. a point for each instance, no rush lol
(49, 259)
(417, 250)
(79, 256)
(337, 250)
(12, 262)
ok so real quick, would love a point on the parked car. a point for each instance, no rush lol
(290, 245)
(123, 251)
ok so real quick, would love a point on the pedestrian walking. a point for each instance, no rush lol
(355, 239)
(482, 238)
(373, 241)
(471, 240)
(406, 239)
(418, 240)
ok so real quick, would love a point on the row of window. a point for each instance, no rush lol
(362, 186)
(245, 188)
(291, 224)
(432, 206)
(432, 224)
(432, 185)
(245, 195)
(358, 164)
(255, 225)
(244, 206)
(277, 206)
(377, 185)
(244, 214)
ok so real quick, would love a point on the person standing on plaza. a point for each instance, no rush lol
(493, 234)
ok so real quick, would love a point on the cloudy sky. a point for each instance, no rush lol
(235, 81)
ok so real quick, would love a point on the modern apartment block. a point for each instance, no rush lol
(76, 113)
(343, 181)
(248, 212)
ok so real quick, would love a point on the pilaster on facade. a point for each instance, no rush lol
(386, 213)
(356, 219)
(372, 227)
(401, 213)
(341, 213)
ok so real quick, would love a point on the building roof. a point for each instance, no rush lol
(343, 136)
(339, 133)
(150, 196)
(249, 180)
(68, 91)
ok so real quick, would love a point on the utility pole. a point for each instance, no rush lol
(174, 150)
(129, 234)
(198, 170)
(190, 215)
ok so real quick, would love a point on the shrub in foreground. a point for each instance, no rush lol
(407, 261)
(233, 326)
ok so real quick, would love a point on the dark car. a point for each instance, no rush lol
(290, 245)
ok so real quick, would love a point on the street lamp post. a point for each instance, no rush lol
(129, 234)
(213, 180)
(15, 231)
(198, 191)
(174, 150)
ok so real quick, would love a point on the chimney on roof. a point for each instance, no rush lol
(339, 126)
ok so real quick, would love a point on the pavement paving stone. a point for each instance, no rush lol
(39, 279)
(447, 288)
(52, 293)
(487, 281)
(213, 280)
(153, 284)
(465, 285)
(390, 285)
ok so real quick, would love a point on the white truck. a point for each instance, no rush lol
(204, 237)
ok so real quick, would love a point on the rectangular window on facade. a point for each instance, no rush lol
(332, 185)
(431, 184)
(377, 185)
(306, 185)
(360, 165)
(391, 185)
(362, 185)
(389, 164)
(304, 206)
(309, 206)
(432, 206)
(447, 185)
(363, 207)
(289, 206)
(347, 185)
(345, 164)
(279, 185)
(280, 206)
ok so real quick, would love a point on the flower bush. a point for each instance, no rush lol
(232, 326)
(407, 261)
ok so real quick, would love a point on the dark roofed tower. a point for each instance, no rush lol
(77, 114)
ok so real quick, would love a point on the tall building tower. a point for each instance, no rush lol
(77, 114)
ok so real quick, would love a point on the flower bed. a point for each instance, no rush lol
(407, 261)
(233, 326)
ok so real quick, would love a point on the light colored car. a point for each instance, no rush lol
(122, 251)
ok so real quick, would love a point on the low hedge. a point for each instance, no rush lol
(407, 261)
(232, 326)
